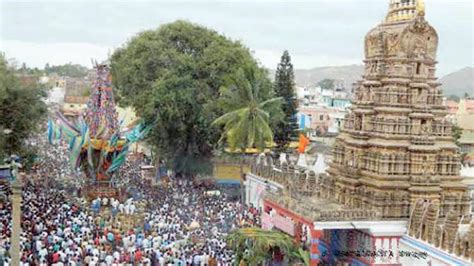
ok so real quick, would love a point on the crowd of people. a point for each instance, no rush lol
(51, 163)
(178, 224)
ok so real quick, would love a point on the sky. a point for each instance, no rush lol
(315, 32)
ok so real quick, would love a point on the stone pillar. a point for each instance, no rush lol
(315, 253)
(389, 247)
(16, 222)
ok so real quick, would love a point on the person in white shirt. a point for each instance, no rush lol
(109, 259)
(94, 260)
(127, 209)
(42, 253)
(204, 259)
(116, 255)
(115, 203)
(105, 201)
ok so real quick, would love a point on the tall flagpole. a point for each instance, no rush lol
(16, 221)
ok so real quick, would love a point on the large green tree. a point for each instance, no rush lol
(21, 110)
(286, 129)
(172, 76)
(249, 109)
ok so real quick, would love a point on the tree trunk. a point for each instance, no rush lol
(157, 173)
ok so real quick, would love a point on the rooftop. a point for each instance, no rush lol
(467, 137)
(465, 121)
(318, 209)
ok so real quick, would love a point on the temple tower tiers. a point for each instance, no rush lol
(396, 145)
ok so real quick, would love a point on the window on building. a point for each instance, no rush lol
(321, 117)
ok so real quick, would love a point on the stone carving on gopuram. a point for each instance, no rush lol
(396, 145)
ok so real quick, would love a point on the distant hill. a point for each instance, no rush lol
(458, 83)
(309, 77)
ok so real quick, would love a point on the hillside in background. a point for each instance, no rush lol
(309, 77)
(458, 83)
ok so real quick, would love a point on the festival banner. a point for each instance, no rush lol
(266, 221)
(284, 224)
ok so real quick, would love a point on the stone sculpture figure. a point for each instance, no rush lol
(450, 228)
(416, 219)
(429, 220)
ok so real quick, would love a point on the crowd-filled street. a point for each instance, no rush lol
(173, 224)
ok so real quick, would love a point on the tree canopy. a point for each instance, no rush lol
(21, 109)
(172, 76)
(326, 84)
(69, 70)
(286, 129)
(454, 98)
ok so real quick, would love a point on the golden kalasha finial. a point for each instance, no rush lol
(420, 7)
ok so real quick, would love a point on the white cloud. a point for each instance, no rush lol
(38, 54)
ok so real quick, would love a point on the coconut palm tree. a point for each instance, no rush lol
(254, 245)
(249, 104)
(302, 255)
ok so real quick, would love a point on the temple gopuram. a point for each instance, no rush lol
(396, 145)
(392, 194)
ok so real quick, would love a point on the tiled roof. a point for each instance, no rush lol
(75, 99)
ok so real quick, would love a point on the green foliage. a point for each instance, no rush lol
(457, 133)
(287, 129)
(172, 76)
(24, 69)
(254, 245)
(86, 93)
(464, 158)
(249, 105)
(302, 255)
(69, 70)
(21, 110)
(453, 98)
(326, 84)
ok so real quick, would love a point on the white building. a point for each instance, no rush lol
(467, 172)
(255, 187)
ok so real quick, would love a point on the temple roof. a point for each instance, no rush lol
(319, 209)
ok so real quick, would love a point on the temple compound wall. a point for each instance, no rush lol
(292, 200)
